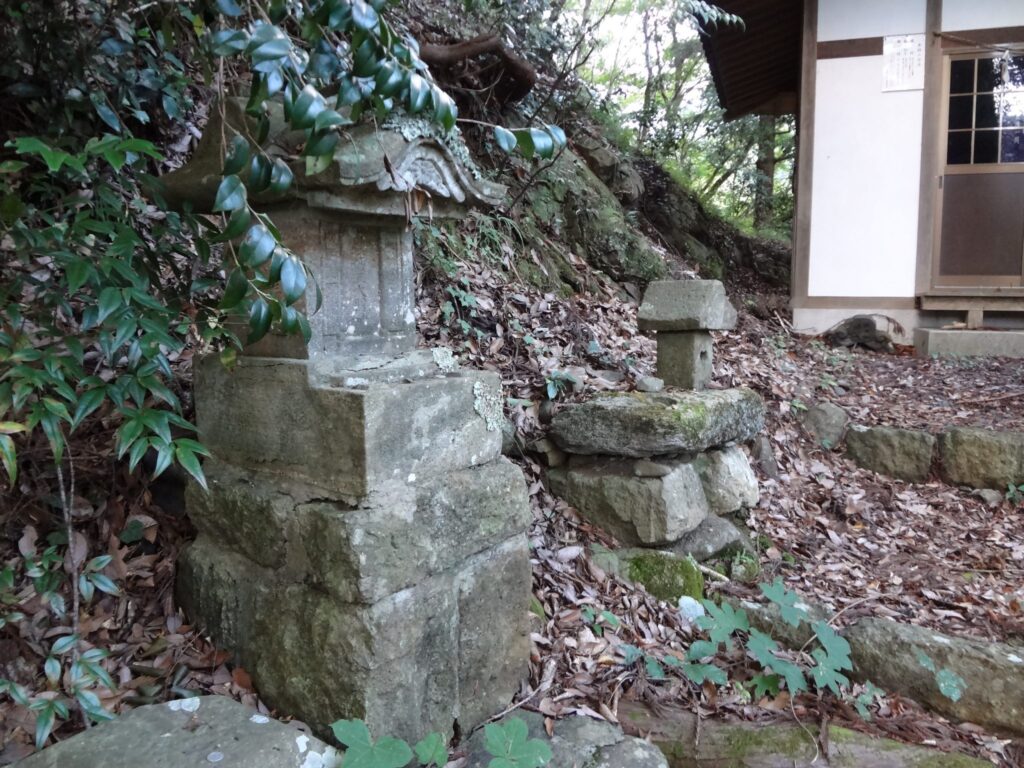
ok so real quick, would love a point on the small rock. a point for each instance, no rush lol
(550, 454)
(859, 331)
(729, 482)
(826, 423)
(648, 468)
(690, 608)
(763, 454)
(650, 384)
(990, 497)
(715, 537)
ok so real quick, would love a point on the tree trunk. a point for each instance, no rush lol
(765, 182)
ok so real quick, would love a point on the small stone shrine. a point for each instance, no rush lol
(362, 547)
(683, 312)
(663, 471)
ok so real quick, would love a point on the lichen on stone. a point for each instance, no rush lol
(488, 406)
(412, 128)
(444, 359)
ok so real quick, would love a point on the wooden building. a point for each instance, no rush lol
(910, 174)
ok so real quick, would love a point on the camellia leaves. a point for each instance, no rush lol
(237, 155)
(230, 194)
(293, 279)
(364, 16)
(259, 320)
(419, 93)
(505, 138)
(234, 292)
(257, 246)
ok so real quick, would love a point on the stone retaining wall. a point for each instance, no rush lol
(971, 456)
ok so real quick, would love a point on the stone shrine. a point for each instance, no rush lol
(683, 312)
(362, 546)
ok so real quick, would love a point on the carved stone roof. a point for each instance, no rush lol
(396, 170)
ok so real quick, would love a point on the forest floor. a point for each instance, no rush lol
(848, 539)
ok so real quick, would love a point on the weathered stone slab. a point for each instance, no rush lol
(715, 537)
(207, 730)
(826, 423)
(712, 743)
(220, 589)
(577, 742)
(362, 554)
(905, 454)
(637, 510)
(351, 437)
(886, 652)
(388, 544)
(642, 425)
(321, 658)
(686, 305)
(728, 479)
(393, 664)
(936, 342)
(494, 590)
(982, 458)
(685, 358)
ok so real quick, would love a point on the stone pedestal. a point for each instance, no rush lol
(362, 545)
(685, 358)
(683, 312)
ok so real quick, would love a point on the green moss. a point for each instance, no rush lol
(692, 419)
(791, 742)
(666, 577)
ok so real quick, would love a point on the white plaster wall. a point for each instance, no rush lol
(980, 14)
(864, 201)
(846, 19)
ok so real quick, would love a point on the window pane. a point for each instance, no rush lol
(960, 108)
(958, 148)
(985, 115)
(1011, 107)
(986, 146)
(1013, 147)
(1015, 72)
(988, 74)
(961, 76)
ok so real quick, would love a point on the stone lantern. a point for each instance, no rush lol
(683, 312)
(362, 547)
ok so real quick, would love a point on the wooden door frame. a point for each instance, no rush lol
(984, 283)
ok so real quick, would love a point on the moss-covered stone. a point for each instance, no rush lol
(641, 425)
(577, 205)
(666, 577)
